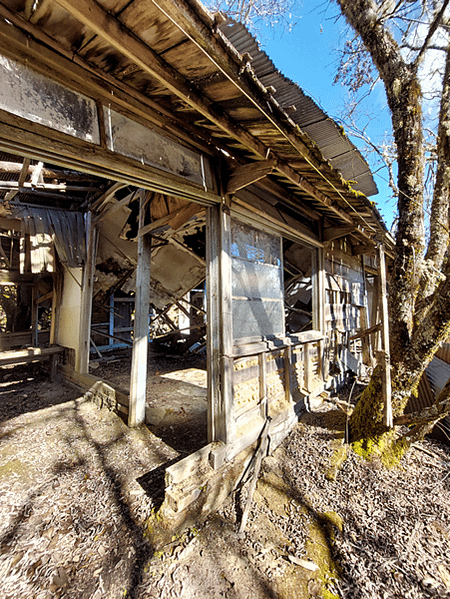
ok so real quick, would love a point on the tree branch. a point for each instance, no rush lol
(439, 218)
(425, 419)
(431, 31)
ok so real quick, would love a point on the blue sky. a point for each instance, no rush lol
(307, 55)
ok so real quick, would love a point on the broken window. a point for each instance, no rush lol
(257, 283)
(299, 261)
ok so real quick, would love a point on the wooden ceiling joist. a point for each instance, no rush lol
(22, 176)
(66, 175)
(363, 248)
(250, 173)
(332, 233)
(119, 37)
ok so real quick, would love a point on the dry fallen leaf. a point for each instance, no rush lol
(314, 588)
(445, 575)
(304, 563)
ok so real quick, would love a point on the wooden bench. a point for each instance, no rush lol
(33, 354)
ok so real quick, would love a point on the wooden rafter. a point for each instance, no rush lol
(249, 173)
(119, 37)
(332, 233)
(22, 176)
(49, 173)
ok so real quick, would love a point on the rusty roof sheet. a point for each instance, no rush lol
(176, 62)
(324, 131)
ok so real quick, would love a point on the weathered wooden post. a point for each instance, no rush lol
(138, 385)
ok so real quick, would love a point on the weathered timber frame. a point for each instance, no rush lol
(222, 150)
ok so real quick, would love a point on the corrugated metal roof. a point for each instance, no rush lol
(326, 133)
(65, 229)
(439, 373)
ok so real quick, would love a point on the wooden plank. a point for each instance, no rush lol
(174, 219)
(263, 384)
(32, 354)
(110, 209)
(385, 337)
(253, 216)
(260, 454)
(22, 176)
(82, 352)
(247, 174)
(226, 421)
(221, 422)
(213, 321)
(287, 373)
(56, 299)
(366, 332)
(331, 233)
(34, 316)
(363, 249)
(138, 386)
(20, 135)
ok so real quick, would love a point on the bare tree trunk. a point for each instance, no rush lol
(419, 295)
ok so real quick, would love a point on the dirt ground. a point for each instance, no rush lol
(77, 487)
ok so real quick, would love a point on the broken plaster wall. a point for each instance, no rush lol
(68, 333)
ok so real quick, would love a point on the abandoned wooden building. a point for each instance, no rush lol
(153, 159)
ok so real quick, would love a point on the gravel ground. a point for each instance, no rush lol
(77, 487)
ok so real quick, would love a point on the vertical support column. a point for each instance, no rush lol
(111, 320)
(287, 357)
(318, 285)
(82, 355)
(385, 338)
(213, 317)
(263, 385)
(364, 324)
(56, 299)
(34, 316)
(138, 386)
(221, 422)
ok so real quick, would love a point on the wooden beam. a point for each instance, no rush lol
(119, 37)
(174, 219)
(332, 233)
(138, 385)
(11, 224)
(221, 421)
(107, 196)
(15, 187)
(8, 277)
(247, 174)
(363, 248)
(18, 135)
(366, 332)
(66, 175)
(87, 285)
(110, 209)
(22, 176)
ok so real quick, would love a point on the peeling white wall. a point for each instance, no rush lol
(68, 333)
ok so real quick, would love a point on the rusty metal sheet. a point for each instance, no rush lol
(308, 116)
(65, 229)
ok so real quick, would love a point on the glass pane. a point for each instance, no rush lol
(257, 318)
(40, 100)
(252, 245)
(257, 283)
(254, 280)
(132, 139)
